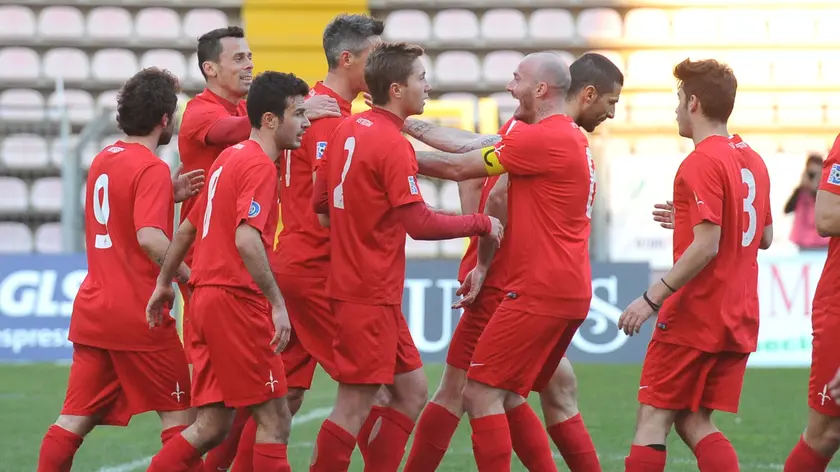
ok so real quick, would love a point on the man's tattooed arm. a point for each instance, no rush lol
(446, 139)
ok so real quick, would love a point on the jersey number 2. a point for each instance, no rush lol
(338, 193)
(748, 178)
(211, 192)
(101, 211)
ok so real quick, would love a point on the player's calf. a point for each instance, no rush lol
(273, 420)
(648, 450)
(62, 440)
(337, 436)
(559, 399)
(182, 452)
(823, 433)
(713, 450)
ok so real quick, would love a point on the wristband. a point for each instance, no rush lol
(653, 306)
(666, 284)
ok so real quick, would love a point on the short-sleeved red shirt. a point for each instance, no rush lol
(241, 187)
(550, 193)
(827, 296)
(723, 181)
(303, 245)
(497, 274)
(201, 113)
(128, 188)
(371, 169)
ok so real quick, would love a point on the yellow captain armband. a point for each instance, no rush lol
(491, 161)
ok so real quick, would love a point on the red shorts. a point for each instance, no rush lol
(372, 344)
(233, 361)
(520, 351)
(825, 359)
(120, 384)
(313, 328)
(678, 377)
(471, 325)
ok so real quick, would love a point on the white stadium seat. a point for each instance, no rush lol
(61, 22)
(67, 63)
(58, 152)
(647, 24)
(173, 61)
(498, 66)
(113, 65)
(21, 105)
(79, 106)
(408, 25)
(657, 146)
(753, 109)
(110, 23)
(827, 21)
(19, 64)
(45, 196)
(48, 238)
(599, 23)
(830, 68)
(751, 67)
(743, 25)
(507, 105)
(16, 22)
(107, 99)
(201, 20)
(651, 68)
(832, 107)
(803, 145)
(503, 24)
(455, 25)
(193, 70)
(789, 25)
(457, 67)
(797, 68)
(24, 152)
(17, 238)
(695, 24)
(552, 23)
(13, 195)
(429, 66)
(654, 108)
(802, 108)
(157, 23)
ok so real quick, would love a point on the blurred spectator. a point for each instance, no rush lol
(801, 203)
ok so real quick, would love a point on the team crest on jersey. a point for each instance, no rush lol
(412, 185)
(254, 209)
(320, 148)
(834, 175)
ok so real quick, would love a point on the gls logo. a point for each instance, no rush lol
(39, 292)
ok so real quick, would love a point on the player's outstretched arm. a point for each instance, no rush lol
(827, 213)
(459, 167)
(423, 224)
(448, 139)
(250, 246)
(155, 243)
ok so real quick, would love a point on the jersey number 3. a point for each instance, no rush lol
(748, 178)
(338, 193)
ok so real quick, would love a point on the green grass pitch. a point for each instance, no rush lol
(773, 413)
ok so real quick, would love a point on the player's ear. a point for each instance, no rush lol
(590, 94)
(345, 59)
(396, 90)
(165, 120)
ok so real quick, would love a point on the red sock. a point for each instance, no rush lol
(644, 459)
(221, 456)
(435, 429)
(178, 455)
(529, 439)
(57, 450)
(803, 458)
(363, 439)
(245, 452)
(715, 454)
(271, 458)
(333, 448)
(170, 433)
(386, 450)
(492, 443)
(575, 445)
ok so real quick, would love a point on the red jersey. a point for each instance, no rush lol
(303, 244)
(550, 195)
(241, 187)
(497, 274)
(725, 182)
(128, 188)
(371, 169)
(827, 296)
(201, 113)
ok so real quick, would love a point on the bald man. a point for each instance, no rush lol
(595, 89)
(551, 179)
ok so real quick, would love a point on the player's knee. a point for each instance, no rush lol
(481, 399)
(294, 399)
(80, 425)
(273, 420)
(451, 388)
(653, 425)
(413, 395)
(694, 426)
(823, 433)
(560, 396)
(513, 400)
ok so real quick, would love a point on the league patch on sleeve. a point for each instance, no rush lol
(834, 175)
(320, 149)
(254, 209)
(412, 185)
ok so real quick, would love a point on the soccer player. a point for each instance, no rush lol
(303, 251)
(373, 200)
(821, 438)
(595, 89)
(120, 368)
(708, 302)
(548, 285)
(213, 120)
(233, 349)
